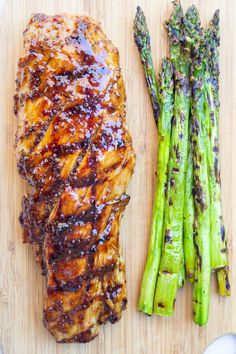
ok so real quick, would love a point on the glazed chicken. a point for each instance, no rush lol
(75, 151)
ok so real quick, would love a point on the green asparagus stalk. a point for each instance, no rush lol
(218, 241)
(172, 252)
(222, 274)
(219, 259)
(202, 274)
(142, 40)
(189, 248)
(166, 90)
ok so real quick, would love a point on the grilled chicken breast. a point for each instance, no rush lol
(74, 150)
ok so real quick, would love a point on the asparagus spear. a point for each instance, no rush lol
(142, 40)
(218, 242)
(172, 253)
(164, 128)
(201, 291)
(191, 22)
(219, 257)
(222, 274)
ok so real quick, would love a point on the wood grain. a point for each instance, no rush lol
(21, 285)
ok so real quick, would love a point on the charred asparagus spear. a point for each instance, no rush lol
(218, 242)
(189, 249)
(222, 274)
(202, 274)
(219, 259)
(166, 90)
(172, 252)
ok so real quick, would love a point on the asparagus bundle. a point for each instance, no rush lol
(187, 233)
(169, 270)
(170, 267)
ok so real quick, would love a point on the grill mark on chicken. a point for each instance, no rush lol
(36, 211)
(74, 149)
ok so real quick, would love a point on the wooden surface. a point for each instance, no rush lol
(21, 285)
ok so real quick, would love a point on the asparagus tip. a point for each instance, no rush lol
(141, 33)
(175, 24)
(216, 18)
(192, 25)
(208, 46)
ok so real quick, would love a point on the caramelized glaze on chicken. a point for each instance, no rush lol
(74, 150)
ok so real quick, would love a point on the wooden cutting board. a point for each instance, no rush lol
(21, 284)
